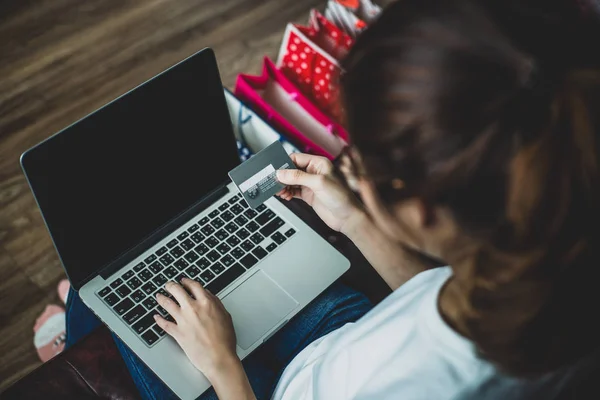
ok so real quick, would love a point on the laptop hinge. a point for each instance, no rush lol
(161, 233)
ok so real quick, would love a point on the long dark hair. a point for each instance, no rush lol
(486, 108)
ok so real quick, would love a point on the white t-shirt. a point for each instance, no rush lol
(402, 349)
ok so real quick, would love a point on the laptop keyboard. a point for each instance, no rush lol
(214, 251)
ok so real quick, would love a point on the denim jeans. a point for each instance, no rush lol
(335, 307)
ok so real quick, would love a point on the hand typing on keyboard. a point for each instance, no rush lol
(203, 328)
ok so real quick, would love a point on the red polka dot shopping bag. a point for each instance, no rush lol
(309, 57)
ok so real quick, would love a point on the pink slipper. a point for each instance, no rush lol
(49, 332)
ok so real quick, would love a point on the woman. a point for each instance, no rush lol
(473, 143)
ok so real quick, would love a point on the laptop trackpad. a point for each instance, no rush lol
(257, 306)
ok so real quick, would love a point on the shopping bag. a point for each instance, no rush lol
(253, 133)
(352, 16)
(313, 69)
(278, 101)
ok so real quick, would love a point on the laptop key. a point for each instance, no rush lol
(111, 299)
(201, 249)
(182, 236)
(214, 213)
(180, 277)
(145, 275)
(271, 247)
(212, 242)
(193, 228)
(203, 263)
(207, 230)
(172, 243)
(223, 248)
(161, 251)
(161, 310)
(198, 237)
(171, 272)
(203, 221)
(248, 261)
(213, 256)
(217, 223)
(217, 268)
(223, 207)
(127, 275)
(134, 314)
(124, 306)
(134, 283)
(181, 264)
(199, 280)
(250, 213)
(187, 244)
(123, 290)
(290, 232)
(144, 323)
(167, 259)
(257, 238)
(225, 279)
(149, 259)
(227, 261)
(237, 209)
(265, 217)
(159, 280)
(156, 267)
(192, 271)
(247, 245)
(272, 226)
(158, 330)
(243, 203)
(137, 296)
(116, 283)
(177, 252)
(242, 233)
(261, 208)
(233, 241)
(149, 287)
(221, 234)
(227, 216)
(139, 267)
(234, 199)
(104, 291)
(241, 220)
(150, 337)
(238, 253)
(150, 302)
(231, 227)
(278, 237)
(259, 252)
(252, 226)
(207, 275)
(191, 257)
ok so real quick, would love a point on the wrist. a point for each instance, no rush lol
(227, 366)
(356, 224)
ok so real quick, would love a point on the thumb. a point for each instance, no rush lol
(298, 177)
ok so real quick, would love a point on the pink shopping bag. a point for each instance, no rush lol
(277, 100)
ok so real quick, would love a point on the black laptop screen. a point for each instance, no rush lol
(113, 178)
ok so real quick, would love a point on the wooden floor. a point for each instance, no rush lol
(61, 59)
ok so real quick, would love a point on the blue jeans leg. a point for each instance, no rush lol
(334, 308)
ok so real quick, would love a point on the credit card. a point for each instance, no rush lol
(256, 178)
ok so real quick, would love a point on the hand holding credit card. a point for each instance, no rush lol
(256, 178)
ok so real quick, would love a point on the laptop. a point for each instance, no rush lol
(137, 194)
